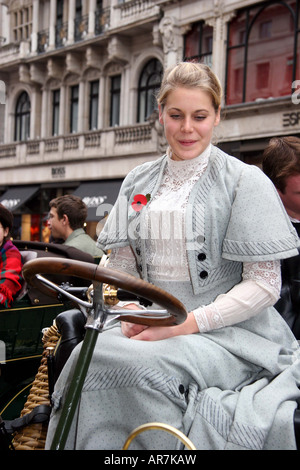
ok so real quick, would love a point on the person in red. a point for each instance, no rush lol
(10, 261)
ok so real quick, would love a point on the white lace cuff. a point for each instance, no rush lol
(259, 289)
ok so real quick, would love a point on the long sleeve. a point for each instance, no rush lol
(10, 273)
(260, 288)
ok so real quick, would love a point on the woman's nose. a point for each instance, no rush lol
(187, 125)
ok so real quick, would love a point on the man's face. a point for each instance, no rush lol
(57, 226)
(291, 196)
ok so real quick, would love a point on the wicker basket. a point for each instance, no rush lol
(33, 437)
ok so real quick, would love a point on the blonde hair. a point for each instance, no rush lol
(191, 75)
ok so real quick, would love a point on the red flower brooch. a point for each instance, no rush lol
(139, 201)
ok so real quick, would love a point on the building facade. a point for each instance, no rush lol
(78, 81)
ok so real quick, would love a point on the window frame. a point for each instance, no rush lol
(93, 104)
(205, 57)
(74, 108)
(115, 99)
(22, 117)
(55, 111)
(148, 88)
(244, 44)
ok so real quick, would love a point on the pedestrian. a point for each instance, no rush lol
(66, 220)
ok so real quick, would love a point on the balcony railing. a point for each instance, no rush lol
(43, 41)
(123, 14)
(117, 142)
(61, 34)
(81, 28)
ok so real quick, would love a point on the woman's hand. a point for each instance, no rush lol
(156, 333)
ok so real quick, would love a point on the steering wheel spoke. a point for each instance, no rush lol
(173, 311)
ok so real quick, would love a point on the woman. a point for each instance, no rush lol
(211, 231)
(10, 261)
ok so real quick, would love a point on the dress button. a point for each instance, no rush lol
(201, 256)
(138, 251)
(203, 274)
(181, 389)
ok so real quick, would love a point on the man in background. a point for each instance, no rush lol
(281, 163)
(66, 219)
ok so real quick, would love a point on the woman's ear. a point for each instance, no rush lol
(218, 116)
(160, 114)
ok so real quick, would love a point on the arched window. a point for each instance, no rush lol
(263, 52)
(149, 83)
(22, 117)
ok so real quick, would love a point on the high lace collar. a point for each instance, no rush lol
(183, 169)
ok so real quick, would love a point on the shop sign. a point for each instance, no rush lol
(10, 203)
(94, 201)
(58, 172)
(291, 119)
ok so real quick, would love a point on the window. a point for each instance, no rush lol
(55, 111)
(22, 117)
(59, 11)
(198, 43)
(115, 95)
(262, 56)
(22, 24)
(61, 27)
(74, 101)
(94, 100)
(149, 84)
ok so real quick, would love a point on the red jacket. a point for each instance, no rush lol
(10, 273)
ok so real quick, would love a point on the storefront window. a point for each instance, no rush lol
(262, 55)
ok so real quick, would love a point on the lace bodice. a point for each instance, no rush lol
(164, 217)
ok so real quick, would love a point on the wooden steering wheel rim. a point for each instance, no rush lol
(93, 272)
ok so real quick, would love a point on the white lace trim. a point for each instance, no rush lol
(164, 218)
(267, 273)
(208, 318)
(123, 259)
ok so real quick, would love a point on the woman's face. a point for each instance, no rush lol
(189, 119)
(3, 233)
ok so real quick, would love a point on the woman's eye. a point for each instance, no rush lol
(200, 118)
(175, 116)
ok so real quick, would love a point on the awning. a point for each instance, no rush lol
(99, 197)
(15, 197)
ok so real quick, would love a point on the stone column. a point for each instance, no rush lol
(71, 19)
(101, 104)
(35, 26)
(52, 24)
(63, 109)
(92, 10)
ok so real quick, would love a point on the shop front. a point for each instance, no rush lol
(30, 205)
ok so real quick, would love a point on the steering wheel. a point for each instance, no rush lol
(176, 312)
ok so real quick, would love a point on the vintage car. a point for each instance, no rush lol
(72, 279)
(69, 281)
(21, 326)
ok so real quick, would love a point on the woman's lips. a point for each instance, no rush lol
(186, 143)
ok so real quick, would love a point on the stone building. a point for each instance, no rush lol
(78, 79)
